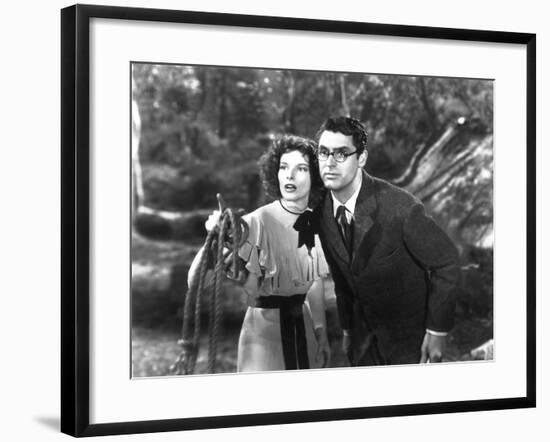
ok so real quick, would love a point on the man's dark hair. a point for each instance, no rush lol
(346, 126)
(270, 161)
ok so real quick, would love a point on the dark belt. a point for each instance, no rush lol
(293, 331)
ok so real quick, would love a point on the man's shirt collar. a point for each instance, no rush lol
(349, 204)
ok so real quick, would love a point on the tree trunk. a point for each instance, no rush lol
(435, 174)
(222, 113)
(288, 114)
(343, 96)
(426, 102)
(137, 179)
(437, 167)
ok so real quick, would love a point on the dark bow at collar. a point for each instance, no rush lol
(307, 225)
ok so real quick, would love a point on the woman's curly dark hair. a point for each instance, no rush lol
(269, 166)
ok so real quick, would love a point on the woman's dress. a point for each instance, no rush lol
(285, 273)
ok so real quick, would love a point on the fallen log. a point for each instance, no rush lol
(164, 225)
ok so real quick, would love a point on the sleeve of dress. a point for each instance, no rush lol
(320, 266)
(256, 251)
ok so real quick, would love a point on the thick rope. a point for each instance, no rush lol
(185, 363)
(215, 295)
(219, 245)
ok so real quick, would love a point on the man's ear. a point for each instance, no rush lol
(363, 158)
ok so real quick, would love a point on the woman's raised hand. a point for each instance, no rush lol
(213, 220)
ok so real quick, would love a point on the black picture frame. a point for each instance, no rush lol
(75, 212)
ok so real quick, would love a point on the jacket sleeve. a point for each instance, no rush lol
(435, 252)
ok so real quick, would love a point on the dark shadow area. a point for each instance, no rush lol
(51, 422)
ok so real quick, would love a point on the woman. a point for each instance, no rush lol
(284, 326)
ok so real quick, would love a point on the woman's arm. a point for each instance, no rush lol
(316, 299)
(195, 269)
(210, 224)
(251, 288)
(209, 276)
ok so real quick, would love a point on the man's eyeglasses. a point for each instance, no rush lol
(339, 155)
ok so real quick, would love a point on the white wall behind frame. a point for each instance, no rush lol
(30, 248)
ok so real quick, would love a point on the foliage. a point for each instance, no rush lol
(193, 115)
(204, 128)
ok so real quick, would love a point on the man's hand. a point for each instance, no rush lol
(432, 348)
(323, 347)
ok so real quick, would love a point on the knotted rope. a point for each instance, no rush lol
(221, 249)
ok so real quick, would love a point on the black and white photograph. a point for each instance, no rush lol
(288, 219)
(273, 220)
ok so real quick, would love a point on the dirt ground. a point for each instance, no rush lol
(154, 350)
(155, 339)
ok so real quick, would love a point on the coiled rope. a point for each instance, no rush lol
(220, 248)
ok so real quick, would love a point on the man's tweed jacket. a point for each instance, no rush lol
(400, 279)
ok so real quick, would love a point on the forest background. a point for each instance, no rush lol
(201, 129)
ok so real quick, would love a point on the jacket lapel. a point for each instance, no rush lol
(364, 219)
(365, 212)
(331, 229)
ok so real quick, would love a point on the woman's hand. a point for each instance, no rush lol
(315, 298)
(251, 288)
(213, 220)
(323, 347)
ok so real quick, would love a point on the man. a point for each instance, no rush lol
(394, 269)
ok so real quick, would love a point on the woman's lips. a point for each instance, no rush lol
(290, 187)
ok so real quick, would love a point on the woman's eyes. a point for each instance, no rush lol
(301, 168)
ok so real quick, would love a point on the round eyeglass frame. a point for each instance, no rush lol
(338, 155)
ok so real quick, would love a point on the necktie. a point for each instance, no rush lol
(345, 227)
